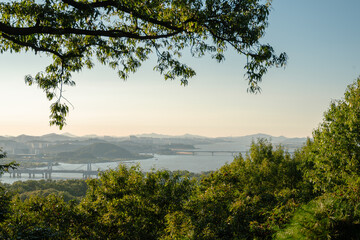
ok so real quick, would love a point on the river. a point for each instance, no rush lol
(200, 162)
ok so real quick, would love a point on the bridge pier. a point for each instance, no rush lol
(88, 167)
(47, 175)
(86, 173)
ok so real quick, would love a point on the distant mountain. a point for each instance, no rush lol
(92, 140)
(53, 137)
(69, 135)
(25, 138)
(61, 147)
(156, 135)
(153, 135)
(190, 136)
(90, 136)
(115, 139)
(260, 135)
(290, 143)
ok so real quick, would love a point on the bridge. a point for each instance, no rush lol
(47, 172)
(211, 152)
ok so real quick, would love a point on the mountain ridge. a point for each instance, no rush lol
(68, 136)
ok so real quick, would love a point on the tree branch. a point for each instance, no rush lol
(34, 47)
(25, 31)
(118, 6)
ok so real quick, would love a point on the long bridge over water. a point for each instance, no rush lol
(209, 152)
(47, 172)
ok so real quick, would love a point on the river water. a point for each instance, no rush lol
(200, 162)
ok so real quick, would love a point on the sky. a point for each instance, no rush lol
(321, 38)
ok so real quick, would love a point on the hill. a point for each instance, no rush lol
(98, 152)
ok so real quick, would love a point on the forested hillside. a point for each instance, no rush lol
(98, 152)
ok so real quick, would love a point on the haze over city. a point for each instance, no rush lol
(321, 39)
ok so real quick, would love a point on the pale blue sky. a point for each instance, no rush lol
(321, 38)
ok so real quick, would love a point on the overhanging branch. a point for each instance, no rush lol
(25, 31)
(132, 11)
(32, 46)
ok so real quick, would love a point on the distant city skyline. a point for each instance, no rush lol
(320, 37)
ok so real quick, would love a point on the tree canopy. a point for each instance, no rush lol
(124, 33)
(334, 154)
(5, 167)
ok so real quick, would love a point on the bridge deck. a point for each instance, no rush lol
(48, 172)
(212, 152)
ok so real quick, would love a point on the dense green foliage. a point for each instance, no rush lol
(266, 194)
(333, 215)
(335, 151)
(249, 197)
(68, 190)
(5, 197)
(131, 205)
(122, 34)
(39, 218)
(331, 164)
(5, 167)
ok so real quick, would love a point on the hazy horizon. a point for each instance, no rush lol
(145, 134)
